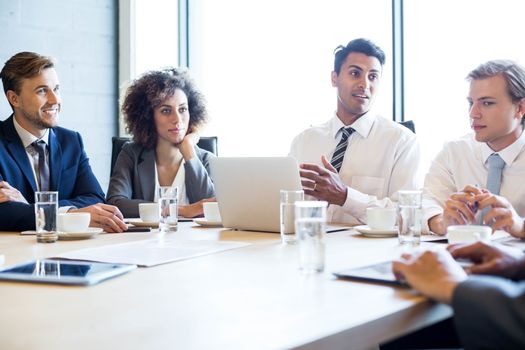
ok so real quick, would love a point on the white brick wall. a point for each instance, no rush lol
(82, 37)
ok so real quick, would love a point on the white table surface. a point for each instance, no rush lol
(249, 298)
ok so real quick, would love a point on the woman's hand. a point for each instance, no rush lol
(195, 209)
(187, 146)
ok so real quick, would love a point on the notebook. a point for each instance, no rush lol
(248, 190)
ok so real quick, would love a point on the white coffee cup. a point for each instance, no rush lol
(211, 211)
(73, 222)
(381, 218)
(149, 212)
(468, 233)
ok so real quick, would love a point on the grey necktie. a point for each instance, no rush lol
(43, 166)
(339, 153)
(496, 165)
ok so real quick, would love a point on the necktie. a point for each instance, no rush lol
(496, 165)
(339, 153)
(43, 166)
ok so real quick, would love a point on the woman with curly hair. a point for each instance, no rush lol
(163, 110)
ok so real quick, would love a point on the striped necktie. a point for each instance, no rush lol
(339, 153)
(43, 166)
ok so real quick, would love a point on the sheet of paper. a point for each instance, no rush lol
(152, 252)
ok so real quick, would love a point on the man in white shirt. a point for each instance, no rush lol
(353, 169)
(455, 190)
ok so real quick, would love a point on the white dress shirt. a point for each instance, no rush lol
(382, 158)
(27, 139)
(179, 182)
(463, 162)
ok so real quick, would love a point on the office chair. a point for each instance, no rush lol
(409, 124)
(208, 143)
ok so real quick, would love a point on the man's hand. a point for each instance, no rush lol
(10, 194)
(194, 209)
(490, 259)
(460, 209)
(105, 216)
(433, 273)
(187, 146)
(323, 183)
(502, 214)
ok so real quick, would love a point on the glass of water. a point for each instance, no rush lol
(310, 229)
(409, 217)
(46, 211)
(288, 199)
(168, 201)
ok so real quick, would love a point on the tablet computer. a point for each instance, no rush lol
(63, 271)
(380, 272)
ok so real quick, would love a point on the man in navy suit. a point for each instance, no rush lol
(32, 89)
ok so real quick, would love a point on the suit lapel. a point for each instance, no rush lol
(146, 173)
(55, 160)
(17, 150)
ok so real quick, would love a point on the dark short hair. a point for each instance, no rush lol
(513, 73)
(360, 45)
(148, 92)
(23, 65)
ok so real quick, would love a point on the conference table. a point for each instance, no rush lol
(252, 297)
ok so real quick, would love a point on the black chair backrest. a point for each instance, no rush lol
(409, 124)
(209, 143)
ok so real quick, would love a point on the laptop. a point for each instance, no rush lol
(248, 190)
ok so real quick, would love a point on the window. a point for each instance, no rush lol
(264, 66)
(444, 41)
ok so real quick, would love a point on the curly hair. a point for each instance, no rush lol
(148, 92)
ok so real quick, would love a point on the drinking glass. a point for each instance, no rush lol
(288, 199)
(46, 211)
(168, 208)
(310, 229)
(409, 217)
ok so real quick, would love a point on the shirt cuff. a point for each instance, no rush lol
(429, 213)
(356, 203)
(65, 209)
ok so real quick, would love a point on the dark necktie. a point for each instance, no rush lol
(496, 165)
(339, 153)
(43, 165)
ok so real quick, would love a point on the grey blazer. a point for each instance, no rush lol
(133, 178)
(489, 313)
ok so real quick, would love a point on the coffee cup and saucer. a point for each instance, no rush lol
(381, 223)
(149, 216)
(212, 215)
(76, 226)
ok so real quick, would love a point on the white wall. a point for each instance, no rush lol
(82, 37)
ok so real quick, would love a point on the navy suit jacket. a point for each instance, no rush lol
(70, 175)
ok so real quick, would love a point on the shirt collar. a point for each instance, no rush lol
(362, 125)
(508, 154)
(28, 138)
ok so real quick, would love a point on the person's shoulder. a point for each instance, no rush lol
(203, 154)
(316, 130)
(392, 128)
(64, 134)
(461, 143)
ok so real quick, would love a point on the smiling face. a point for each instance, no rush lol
(172, 118)
(356, 84)
(37, 105)
(494, 118)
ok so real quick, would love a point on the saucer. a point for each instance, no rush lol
(368, 232)
(204, 222)
(140, 223)
(91, 232)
